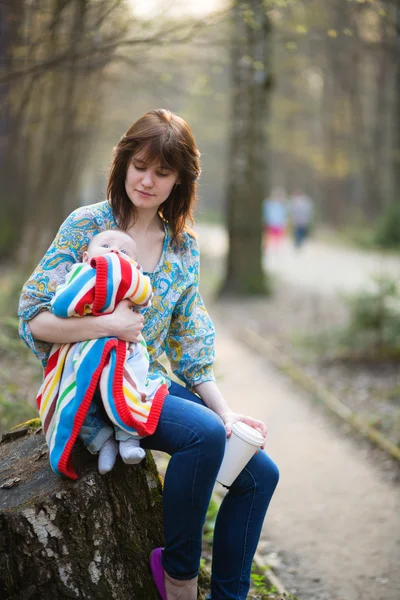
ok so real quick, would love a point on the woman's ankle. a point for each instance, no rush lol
(180, 589)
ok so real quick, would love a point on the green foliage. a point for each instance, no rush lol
(374, 324)
(262, 588)
(208, 530)
(362, 237)
(20, 371)
(388, 227)
(358, 230)
(13, 411)
(261, 584)
(372, 331)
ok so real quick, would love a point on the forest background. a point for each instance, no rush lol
(304, 95)
(75, 73)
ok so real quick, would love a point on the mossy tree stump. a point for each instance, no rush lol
(85, 539)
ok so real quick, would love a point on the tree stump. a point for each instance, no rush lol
(85, 539)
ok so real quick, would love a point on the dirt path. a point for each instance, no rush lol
(333, 529)
(317, 266)
(334, 521)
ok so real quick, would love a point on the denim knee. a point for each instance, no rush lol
(271, 472)
(265, 471)
(261, 473)
(214, 431)
(211, 437)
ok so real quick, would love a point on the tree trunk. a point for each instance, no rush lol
(86, 539)
(396, 133)
(10, 171)
(247, 152)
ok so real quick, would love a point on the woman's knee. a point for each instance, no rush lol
(208, 442)
(213, 434)
(271, 471)
(261, 473)
(265, 470)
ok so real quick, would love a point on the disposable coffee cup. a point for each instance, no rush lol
(240, 448)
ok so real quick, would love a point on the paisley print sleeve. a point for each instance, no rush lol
(190, 340)
(66, 249)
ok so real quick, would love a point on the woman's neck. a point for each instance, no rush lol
(149, 234)
(146, 222)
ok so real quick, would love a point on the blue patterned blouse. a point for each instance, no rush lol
(177, 322)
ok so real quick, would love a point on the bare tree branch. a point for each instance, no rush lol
(180, 33)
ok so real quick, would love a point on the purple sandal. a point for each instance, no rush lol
(158, 571)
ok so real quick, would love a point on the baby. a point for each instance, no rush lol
(108, 273)
(129, 446)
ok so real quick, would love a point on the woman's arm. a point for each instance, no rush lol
(190, 346)
(190, 339)
(123, 323)
(38, 327)
(213, 398)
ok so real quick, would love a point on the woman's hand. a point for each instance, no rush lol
(124, 323)
(212, 397)
(229, 418)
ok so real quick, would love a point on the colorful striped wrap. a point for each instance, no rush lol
(132, 397)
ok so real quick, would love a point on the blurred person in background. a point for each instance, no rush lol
(301, 215)
(152, 190)
(274, 217)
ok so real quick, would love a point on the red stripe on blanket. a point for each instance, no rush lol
(83, 302)
(51, 363)
(65, 463)
(123, 410)
(126, 279)
(100, 288)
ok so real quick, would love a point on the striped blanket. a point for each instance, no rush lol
(132, 397)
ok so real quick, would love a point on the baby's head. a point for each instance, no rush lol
(112, 240)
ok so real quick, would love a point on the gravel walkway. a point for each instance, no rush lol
(333, 529)
(332, 532)
(308, 300)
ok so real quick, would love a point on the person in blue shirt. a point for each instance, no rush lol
(275, 217)
(301, 216)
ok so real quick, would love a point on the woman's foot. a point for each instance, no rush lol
(178, 589)
(107, 456)
(131, 452)
(169, 588)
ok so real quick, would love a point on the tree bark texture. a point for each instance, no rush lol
(251, 79)
(86, 539)
(396, 137)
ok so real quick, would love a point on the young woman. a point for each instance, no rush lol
(151, 195)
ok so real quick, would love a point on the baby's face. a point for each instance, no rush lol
(111, 241)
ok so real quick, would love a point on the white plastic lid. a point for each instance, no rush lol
(248, 434)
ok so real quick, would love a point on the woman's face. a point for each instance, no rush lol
(148, 186)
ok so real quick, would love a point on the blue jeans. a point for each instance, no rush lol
(300, 235)
(195, 437)
(97, 428)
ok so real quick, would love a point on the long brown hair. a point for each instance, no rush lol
(165, 139)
